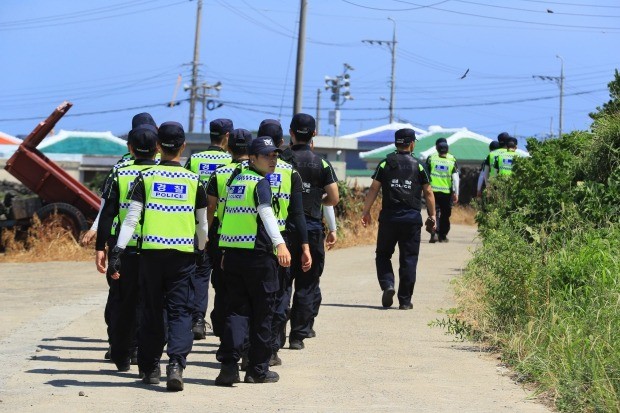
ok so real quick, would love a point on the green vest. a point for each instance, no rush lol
(281, 181)
(125, 177)
(222, 176)
(505, 160)
(205, 163)
(239, 227)
(492, 156)
(441, 170)
(169, 220)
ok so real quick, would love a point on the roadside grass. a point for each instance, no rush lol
(544, 285)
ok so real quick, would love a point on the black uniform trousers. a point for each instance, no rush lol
(200, 286)
(307, 296)
(443, 208)
(282, 301)
(407, 236)
(122, 308)
(251, 279)
(220, 300)
(165, 278)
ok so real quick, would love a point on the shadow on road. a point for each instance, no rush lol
(372, 307)
(76, 339)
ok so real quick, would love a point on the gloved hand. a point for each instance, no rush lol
(114, 261)
(201, 256)
(430, 225)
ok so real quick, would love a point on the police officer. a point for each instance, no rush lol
(505, 160)
(249, 237)
(444, 179)
(482, 182)
(138, 120)
(123, 295)
(402, 179)
(286, 188)
(489, 169)
(204, 164)
(217, 189)
(168, 200)
(320, 189)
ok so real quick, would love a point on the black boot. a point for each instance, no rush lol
(152, 377)
(270, 377)
(199, 328)
(229, 375)
(174, 374)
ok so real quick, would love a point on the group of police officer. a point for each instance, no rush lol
(246, 214)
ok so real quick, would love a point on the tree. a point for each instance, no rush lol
(613, 106)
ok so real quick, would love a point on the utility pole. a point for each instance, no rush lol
(299, 72)
(318, 110)
(208, 103)
(194, 88)
(559, 80)
(561, 92)
(391, 45)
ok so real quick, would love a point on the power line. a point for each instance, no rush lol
(38, 26)
(539, 11)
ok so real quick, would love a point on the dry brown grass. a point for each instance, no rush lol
(463, 215)
(43, 242)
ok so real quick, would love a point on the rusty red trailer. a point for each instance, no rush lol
(58, 191)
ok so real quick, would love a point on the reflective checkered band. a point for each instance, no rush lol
(122, 164)
(281, 195)
(240, 210)
(188, 175)
(284, 165)
(248, 177)
(281, 222)
(238, 238)
(135, 237)
(211, 156)
(123, 205)
(169, 208)
(128, 172)
(168, 241)
(221, 200)
(225, 169)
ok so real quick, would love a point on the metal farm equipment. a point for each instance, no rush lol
(57, 192)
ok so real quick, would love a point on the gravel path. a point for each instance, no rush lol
(364, 358)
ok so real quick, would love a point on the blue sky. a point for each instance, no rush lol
(115, 58)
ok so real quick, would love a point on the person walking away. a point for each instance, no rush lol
(444, 179)
(505, 160)
(482, 181)
(138, 120)
(286, 188)
(402, 180)
(123, 295)
(320, 189)
(253, 248)
(171, 203)
(217, 189)
(204, 164)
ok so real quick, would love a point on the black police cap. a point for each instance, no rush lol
(171, 135)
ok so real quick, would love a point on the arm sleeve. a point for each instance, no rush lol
(481, 178)
(271, 225)
(202, 229)
(455, 182)
(96, 221)
(137, 191)
(212, 185)
(330, 217)
(129, 223)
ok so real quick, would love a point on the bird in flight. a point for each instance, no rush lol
(465, 74)
(549, 11)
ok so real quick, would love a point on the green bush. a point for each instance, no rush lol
(548, 269)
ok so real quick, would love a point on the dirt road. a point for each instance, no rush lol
(364, 358)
